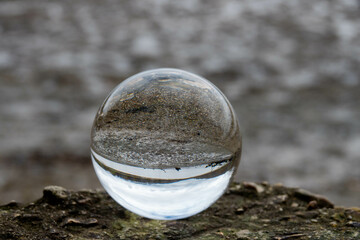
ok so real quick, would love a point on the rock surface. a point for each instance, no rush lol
(246, 211)
(289, 68)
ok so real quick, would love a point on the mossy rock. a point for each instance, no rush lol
(246, 211)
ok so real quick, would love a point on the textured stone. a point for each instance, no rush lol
(289, 68)
(99, 217)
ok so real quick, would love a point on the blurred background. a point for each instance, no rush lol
(291, 69)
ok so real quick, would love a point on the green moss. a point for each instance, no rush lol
(135, 227)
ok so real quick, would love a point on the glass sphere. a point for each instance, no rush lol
(165, 144)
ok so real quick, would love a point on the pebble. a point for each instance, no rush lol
(353, 224)
(55, 193)
(243, 234)
(294, 205)
(239, 211)
(80, 222)
(333, 224)
(281, 198)
(312, 205)
(304, 195)
(251, 185)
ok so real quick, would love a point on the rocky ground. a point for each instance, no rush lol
(247, 211)
(290, 68)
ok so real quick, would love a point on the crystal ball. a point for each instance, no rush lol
(165, 144)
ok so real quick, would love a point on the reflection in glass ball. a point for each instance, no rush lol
(165, 144)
